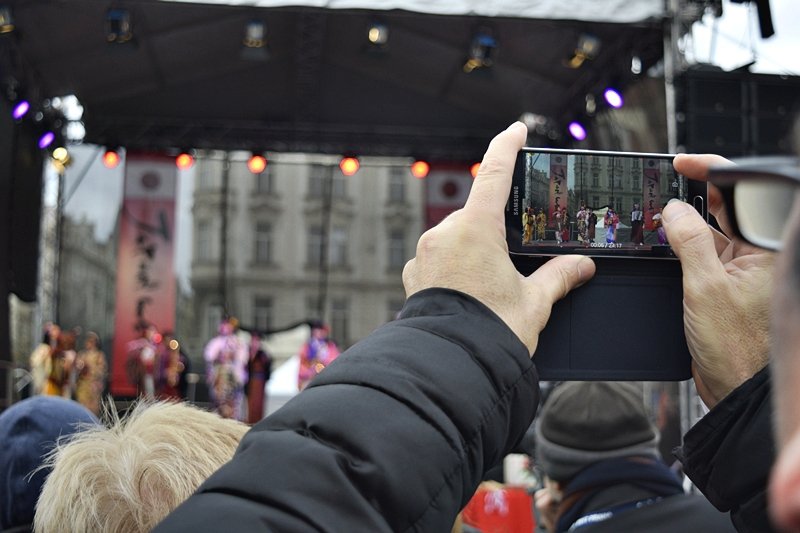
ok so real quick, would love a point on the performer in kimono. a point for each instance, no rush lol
(610, 222)
(581, 217)
(259, 369)
(637, 225)
(143, 363)
(559, 218)
(172, 365)
(591, 224)
(58, 366)
(315, 354)
(659, 226)
(541, 223)
(226, 359)
(40, 356)
(91, 369)
(527, 225)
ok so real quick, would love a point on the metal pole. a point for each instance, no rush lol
(671, 57)
(324, 267)
(59, 247)
(223, 236)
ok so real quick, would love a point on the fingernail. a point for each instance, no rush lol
(517, 124)
(584, 269)
(675, 209)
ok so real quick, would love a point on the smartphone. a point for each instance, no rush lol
(603, 204)
(626, 323)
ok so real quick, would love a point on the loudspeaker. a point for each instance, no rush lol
(26, 211)
(736, 114)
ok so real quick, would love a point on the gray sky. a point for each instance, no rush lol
(738, 39)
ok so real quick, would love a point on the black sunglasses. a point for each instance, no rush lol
(758, 195)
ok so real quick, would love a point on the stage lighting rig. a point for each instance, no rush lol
(349, 165)
(257, 163)
(6, 20)
(481, 50)
(420, 168)
(119, 29)
(111, 158)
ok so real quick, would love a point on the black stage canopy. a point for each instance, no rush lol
(185, 80)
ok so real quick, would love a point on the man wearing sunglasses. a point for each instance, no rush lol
(727, 304)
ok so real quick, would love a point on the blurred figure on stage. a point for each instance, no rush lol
(316, 353)
(91, 370)
(226, 359)
(637, 225)
(172, 368)
(259, 369)
(142, 365)
(41, 354)
(58, 365)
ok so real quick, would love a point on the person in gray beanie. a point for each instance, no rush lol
(28, 431)
(598, 451)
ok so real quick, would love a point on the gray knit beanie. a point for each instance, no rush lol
(584, 422)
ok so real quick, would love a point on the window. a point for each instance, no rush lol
(263, 244)
(204, 241)
(397, 249)
(316, 181)
(339, 320)
(619, 206)
(595, 179)
(314, 250)
(312, 307)
(262, 313)
(337, 247)
(264, 181)
(397, 185)
(595, 202)
(205, 175)
(213, 318)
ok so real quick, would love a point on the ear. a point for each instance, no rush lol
(784, 487)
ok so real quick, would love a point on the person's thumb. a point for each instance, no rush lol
(555, 279)
(693, 243)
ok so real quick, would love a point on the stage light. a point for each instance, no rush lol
(184, 161)
(111, 159)
(587, 48)
(636, 65)
(254, 34)
(577, 130)
(378, 34)
(349, 165)
(46, 139)
(257, 163)
(613, 98)
(118, 26)
(6, 20)
(480, 51)
(420, 169)
(474, 169)
(61, 159)
(21, 109)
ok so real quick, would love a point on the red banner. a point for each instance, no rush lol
(146, 287)
(651, 192)
(558, 184)
(446, 190)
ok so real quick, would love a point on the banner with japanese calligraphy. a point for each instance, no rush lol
(558, 184)
(651, 192)
(146, 285)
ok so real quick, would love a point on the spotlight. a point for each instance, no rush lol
(118, 26)
(111, 159)
(46, 139)
(254, 44)
(254, 34)
(577, 130)
(587, 48)
(257, 163)
(184, 161)
(349, 165)
(474, 169)
(420, 169)
(6, 20)
(480, 51)
(21, 109)
(613, 98)
(378, 34)
(636, 65)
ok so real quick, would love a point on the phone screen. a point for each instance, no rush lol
(594, 203)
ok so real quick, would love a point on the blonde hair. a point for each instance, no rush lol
(129, 476)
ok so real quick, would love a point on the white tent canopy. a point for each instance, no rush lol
(621, 11)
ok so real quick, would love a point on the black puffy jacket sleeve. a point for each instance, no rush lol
(728, 454)
(393, 436)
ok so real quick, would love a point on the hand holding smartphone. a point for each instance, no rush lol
(627, 322)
